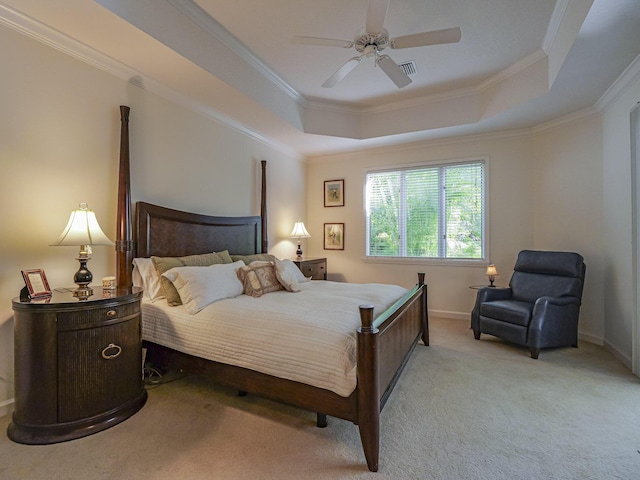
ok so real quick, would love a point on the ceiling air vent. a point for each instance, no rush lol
(409, 68)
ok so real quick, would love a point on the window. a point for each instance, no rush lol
(427, 212)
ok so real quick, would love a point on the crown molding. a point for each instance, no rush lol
(554, 25)
(421, 144)
(561, 121)
(621, 85)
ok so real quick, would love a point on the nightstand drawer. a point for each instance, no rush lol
(75, 318)
(316, 268)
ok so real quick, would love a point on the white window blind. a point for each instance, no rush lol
(431, 211)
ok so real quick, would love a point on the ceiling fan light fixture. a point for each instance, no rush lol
(374, 38)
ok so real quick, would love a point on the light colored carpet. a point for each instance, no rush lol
(463, 409)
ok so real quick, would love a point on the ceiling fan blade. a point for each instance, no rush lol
(376, 14)
(435, 37)
(393, 71)
(323, 42)
(342, 72)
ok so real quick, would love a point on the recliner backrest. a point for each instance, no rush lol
(539, 273)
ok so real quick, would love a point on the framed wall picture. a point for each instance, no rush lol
(334, 236)
(334, 193)
(36, 283)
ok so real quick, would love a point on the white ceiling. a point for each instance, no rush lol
(519, 63)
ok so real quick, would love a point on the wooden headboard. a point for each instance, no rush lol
(165, 232)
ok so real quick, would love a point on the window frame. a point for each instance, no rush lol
(435, 261)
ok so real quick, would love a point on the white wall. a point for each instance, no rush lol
(545, 193)
(567, 199)
(510, 215)
(59, 145)
(619, 282)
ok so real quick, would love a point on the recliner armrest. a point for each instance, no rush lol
(559, 301)
(489, 294)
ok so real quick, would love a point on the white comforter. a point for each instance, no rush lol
(307, 336)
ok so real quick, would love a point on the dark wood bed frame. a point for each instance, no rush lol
(384, 344)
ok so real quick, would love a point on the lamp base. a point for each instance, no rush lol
(299, 251)
(82, 292)
(83, 278)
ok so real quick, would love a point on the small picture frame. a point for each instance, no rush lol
(334, 236)
(36, 283)
(334, 193)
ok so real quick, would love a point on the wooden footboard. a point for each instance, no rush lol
(384, 347)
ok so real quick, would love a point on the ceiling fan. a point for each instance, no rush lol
(373, 38)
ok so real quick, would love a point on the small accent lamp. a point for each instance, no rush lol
(82, 231)
(299, 232)
(492, 273)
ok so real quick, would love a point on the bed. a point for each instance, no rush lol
(384, 340)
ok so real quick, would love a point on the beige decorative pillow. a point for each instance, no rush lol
(247, 259)
(164, 264)
(259, 278)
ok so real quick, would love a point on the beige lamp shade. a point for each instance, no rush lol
(299, 232)
(492, 273)
(82, 229)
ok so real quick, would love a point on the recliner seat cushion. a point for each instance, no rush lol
(510, 311)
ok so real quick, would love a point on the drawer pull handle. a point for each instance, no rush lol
(111, 351)
(112, 313)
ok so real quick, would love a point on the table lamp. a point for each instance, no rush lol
(492, 273)
(82, 231)
(299, 232)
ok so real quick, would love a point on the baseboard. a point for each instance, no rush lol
(448, 314)
(591, 338)
(626, 361)
(6, 407)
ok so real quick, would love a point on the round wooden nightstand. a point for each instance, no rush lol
(78, 364)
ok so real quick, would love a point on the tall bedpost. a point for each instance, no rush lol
(425, 310)
(263, 207)
(368, 387)
(124, 242)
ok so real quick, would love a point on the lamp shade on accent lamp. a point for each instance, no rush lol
(299, 231)
(82, 231)
(491, 274)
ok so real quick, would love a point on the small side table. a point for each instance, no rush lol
(478, 287)
(316, 268)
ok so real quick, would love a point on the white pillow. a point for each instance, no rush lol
(294, 271)
(287, 276)
(146, 276)
(201, 286)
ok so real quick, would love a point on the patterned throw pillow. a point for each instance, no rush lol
(259, 278)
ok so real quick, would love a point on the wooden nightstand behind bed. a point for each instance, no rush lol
(316, 268)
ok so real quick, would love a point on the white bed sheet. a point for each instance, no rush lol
(307, 336)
